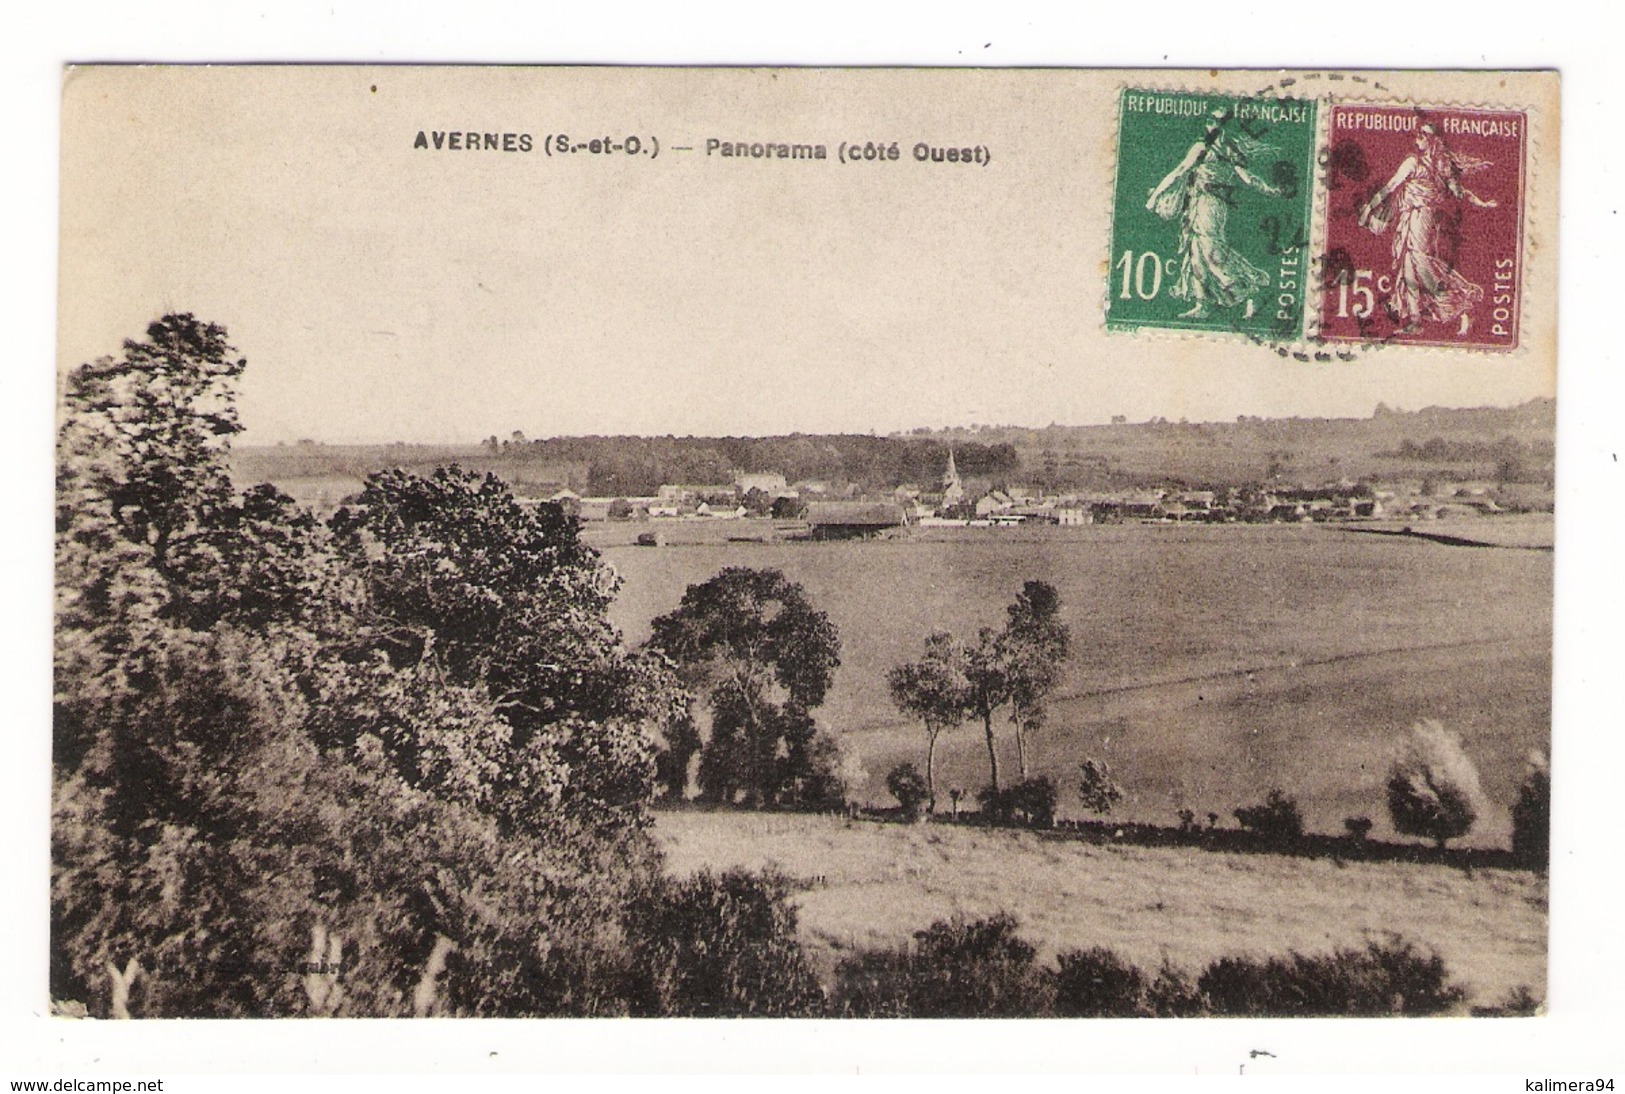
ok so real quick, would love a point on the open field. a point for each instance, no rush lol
(872, 884)
(1212, 662)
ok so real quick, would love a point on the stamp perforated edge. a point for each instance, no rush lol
(1324, 221)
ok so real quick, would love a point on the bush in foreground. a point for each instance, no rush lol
(719, 946)
(982, 968)
(958, 968)
(1096, 983)
(1390, 977)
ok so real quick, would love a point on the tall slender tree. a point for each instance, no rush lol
(934, 689)
(1035, 646)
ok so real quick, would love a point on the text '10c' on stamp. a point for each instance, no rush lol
(1210, 214)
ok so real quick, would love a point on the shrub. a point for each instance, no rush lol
(1277, 820)
(1385, 978)
(1520, 1002)
(1030, 802)
(1433, 787)
(956, 968)
(1173, 994)
(1357, 828)
(718, 946)
(824, 774)
(907, 785)
(1532, 815)
(876, 984)
(1096, 983)
(1099, 791)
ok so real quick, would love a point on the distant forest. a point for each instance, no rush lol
(637, 466)
(1509, 445)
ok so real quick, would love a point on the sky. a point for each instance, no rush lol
(383, 292)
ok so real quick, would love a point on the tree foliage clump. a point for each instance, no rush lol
(1277, 820)
(983, 968)
(1099, 791)
(1097, 983)
(1433, 788)
(906, 784)
(1532, 815)
(1030, 803)
(753, 645)
(396, 765)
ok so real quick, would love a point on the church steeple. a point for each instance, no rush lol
(953, 490)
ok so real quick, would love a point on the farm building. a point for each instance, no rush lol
(853, 519)
(768, 482)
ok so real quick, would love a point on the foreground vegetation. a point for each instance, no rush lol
(865, 885)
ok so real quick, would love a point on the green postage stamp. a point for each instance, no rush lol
(1210, 213)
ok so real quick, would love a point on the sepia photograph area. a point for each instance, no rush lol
(689, 543)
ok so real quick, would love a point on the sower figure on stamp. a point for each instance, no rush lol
(1427, 286)
(1198, 193)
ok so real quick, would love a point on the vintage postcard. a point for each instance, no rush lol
(868, 543)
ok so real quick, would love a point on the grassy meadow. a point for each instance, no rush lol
(866, 883)
(1211, 662)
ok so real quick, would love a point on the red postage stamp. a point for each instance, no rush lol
(1424, 222)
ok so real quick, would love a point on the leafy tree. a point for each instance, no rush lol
(1433, 787)
(1035, 647)
(410, 746)
(466, 585)
(752, 642)
(144, 435)
(674, 755)
(757, 502)
(935, 689)
(786, 507)
(988, 691)
(1099, 791)
(906, 785)
(1532, 814)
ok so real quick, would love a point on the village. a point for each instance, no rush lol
(844, 510)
